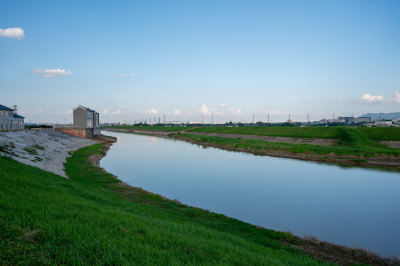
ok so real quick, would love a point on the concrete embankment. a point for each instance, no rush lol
(45, 149)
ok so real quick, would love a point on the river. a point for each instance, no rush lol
(355, 207)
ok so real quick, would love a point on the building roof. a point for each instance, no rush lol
(18, 116)
(87, 109)
(2, 107)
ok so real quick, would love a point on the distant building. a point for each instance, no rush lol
(363, 119)
(86, 123)
(10, 120)
(383, 123)
(87, 118)
(336, 121)
(347, 119)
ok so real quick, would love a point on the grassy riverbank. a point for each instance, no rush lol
(351, 145)
(374, 133)
(93, 218)
(352, 148)
(348, 148)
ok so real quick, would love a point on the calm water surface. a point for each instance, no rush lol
(349, 206)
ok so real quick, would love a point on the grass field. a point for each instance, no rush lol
(374, 133)
(349, 146)
(90, 219)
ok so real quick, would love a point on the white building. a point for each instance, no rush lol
(9, 120)
(88, 119)
(362, 119)
(383, 123)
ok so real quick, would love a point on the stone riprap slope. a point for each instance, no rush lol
(45, 149)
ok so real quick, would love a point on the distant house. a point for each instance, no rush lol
(9, 120)
(86, 123)
(363, 119)
(87, 118)
(383, 123)
(347, 119)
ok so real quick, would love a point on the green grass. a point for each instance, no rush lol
(374, 133)
(90, 219)
(381, 133)
(31, 150)
(299, 132)
(151, 128)
(37, 146)
(351, 143)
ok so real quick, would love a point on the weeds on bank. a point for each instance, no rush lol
(39, 147)
(349, 144)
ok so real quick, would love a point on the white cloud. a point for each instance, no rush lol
(124, 75)
(237, 112)
(177, 112)
(151, 111)
(396, 97)
(122, 107)
(69, 112)
(190, 113)
(224, 104)
(116, 112)
(50, 73)
(276, 112)
(38, 111)
(372, 98)
(218, 113)
(14, 33)
(105, 111)
(205, 110)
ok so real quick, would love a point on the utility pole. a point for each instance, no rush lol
(308, 118)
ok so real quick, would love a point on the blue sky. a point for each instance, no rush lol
(138, 59)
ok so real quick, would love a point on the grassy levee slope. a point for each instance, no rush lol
(374, 133)
(296, 132)
(351, 142)
(92, 219)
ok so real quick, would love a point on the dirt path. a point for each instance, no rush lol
(45, 149)
(392, 143)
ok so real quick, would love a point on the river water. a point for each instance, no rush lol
(355, 207)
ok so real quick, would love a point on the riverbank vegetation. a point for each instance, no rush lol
(93, 218)
(348, 146)
(374, 133)
(353, 148)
